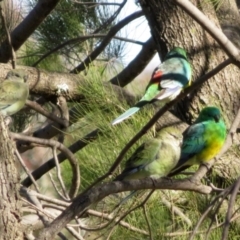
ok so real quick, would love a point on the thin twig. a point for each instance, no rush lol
(56, 188)
(121, 223)
(147, 221)
(59, 175)
(26, 170)
(133, 209)
(176, 210)
(35, 106)
(230, 209)
(95, 53)
(26, 191)
(232, 131)
(222, 195)
(52, 143)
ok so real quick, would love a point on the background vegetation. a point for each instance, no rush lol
(74, 53)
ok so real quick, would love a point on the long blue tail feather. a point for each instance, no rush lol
(125, 115)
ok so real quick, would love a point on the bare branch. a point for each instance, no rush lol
(234, 193)
(147, 221)
(53, 117)
(122, 223)
(26, 170)
(136, 66)
(52, 143)
(97, 193)
(81, 39)
(105, 41)
(47, 166)
(59, 176)
(22, 32)
(175, 210)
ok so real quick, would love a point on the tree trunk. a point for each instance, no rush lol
(10, 217)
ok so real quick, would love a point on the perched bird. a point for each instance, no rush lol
(203, 140)
(154, 158)
(166, 83)
(13, 93)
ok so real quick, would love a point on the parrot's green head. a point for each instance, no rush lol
(170, 132)
(209, 113)
(177, 52)
(17, 74)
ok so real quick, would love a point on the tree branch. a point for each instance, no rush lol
(136, 66)
(105, 41)
(30, 23)
(97, 193)
(81, 39)
(52, 143)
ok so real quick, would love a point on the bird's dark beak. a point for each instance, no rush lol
(217, 118)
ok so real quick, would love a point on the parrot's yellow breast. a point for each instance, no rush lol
(209, 152)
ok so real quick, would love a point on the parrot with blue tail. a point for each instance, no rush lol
(166, 83)
(203, 140)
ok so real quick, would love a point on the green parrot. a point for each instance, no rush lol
(166, 83)
(13, 93)
(154, 158)
(203, 140)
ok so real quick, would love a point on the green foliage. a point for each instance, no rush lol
(53, 63)
(101, 107)
(215, 3)
(66, 21)
(65, 24)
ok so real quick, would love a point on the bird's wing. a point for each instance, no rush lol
(193, 143)
(144, 155)
(169, 78)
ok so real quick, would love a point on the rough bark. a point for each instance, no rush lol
(10, 227)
